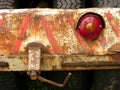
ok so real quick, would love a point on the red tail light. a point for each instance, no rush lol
(90, 25)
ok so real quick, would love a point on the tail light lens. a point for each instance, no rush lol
(90, 25)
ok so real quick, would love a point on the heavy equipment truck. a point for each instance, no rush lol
(77, 37)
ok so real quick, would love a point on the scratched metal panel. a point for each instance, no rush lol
(61, 62)
(55, 30)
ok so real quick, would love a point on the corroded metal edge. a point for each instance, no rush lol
(63, 62)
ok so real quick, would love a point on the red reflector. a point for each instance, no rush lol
(90, 25)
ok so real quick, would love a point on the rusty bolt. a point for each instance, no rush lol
(33, 75)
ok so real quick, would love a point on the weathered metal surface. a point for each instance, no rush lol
(55, 30)
(63, 62)
(16, 63)
(115, 47)
(34, 53)
(62, 47)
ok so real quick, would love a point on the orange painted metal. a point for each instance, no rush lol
(62, 47)
(113, 23)
(55, 29)
(49, 33)
(84, 45)
(24, 27)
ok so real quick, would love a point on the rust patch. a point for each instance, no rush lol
(51, 38)
(113, 23)
(63, 62)
(80, 38)
(7, 37)
(24, 27)
(56, 32)
(34, 53)
(91, 64)
(115, 48)
(115, 57)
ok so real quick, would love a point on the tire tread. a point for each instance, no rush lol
(69, 4)
(106, 3)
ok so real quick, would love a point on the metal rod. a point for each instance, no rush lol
(54, 83)
(90, 64)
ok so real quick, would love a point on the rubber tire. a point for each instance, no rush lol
(106, 3)
(68, 4)
(7, 4)
(107, 80)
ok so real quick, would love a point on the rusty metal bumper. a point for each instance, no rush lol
(61, 62)
(62, 47)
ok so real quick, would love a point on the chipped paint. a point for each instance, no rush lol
(58, 35)
(62, 62)
(62, 47)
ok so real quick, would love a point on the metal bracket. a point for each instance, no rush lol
(34, 53)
